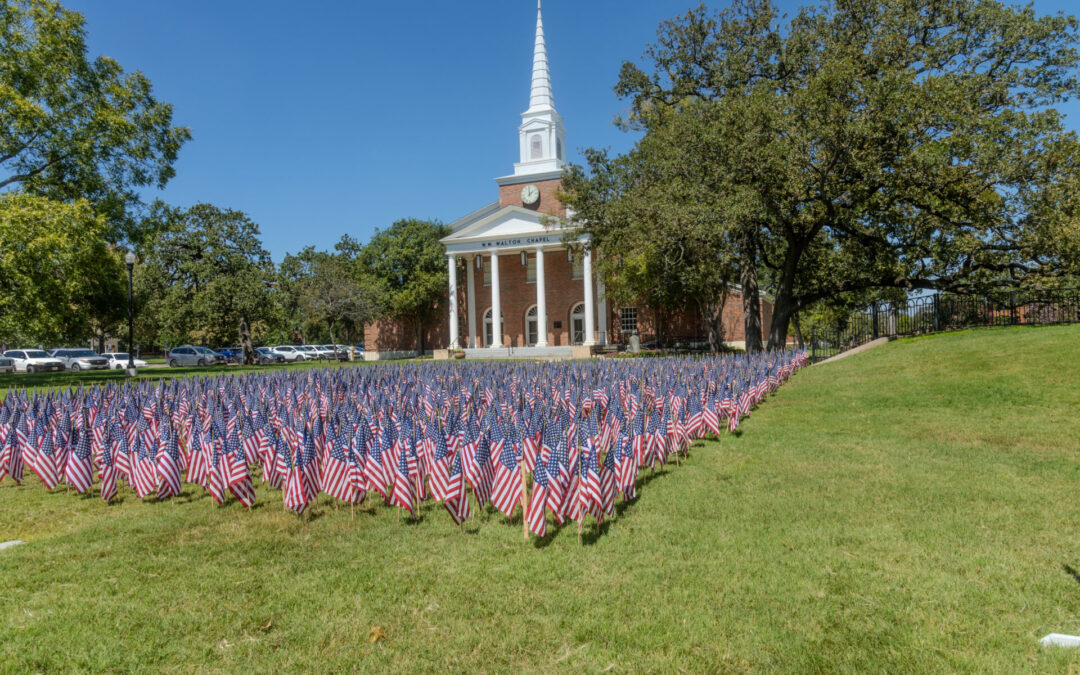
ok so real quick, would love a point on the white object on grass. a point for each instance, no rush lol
(1061, 640)
(9, 544)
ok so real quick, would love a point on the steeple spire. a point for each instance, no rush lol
(540, 96)
(541, 135)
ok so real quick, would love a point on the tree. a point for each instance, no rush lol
(57, 275)
(326, 289)
(877, 144)
(666, 241)
(74, 128)
(204, 276)
(408, 271)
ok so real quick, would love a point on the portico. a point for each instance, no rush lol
(526, 292)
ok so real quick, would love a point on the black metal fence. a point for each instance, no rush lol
(942, 312)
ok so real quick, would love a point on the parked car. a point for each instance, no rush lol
(33, 360)
(341, 352)
(119, 361)
(7, 365)
(80, 359)
(231, 354)
(190, 355)
(328, 352)
(265, 356)
(290, 353)
(309, 352)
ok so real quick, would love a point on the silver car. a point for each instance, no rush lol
(190, 355)
(80, 359)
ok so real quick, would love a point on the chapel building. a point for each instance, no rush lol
(516, 290)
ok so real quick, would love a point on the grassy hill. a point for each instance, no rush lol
(912, 508)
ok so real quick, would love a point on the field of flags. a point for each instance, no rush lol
(555, 438)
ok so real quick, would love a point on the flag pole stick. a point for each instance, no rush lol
(524, 498)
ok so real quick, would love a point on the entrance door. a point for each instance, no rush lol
(531, 331)
(577, 324)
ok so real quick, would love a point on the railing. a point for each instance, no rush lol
(942, 312)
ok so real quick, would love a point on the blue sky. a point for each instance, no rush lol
(328, 118)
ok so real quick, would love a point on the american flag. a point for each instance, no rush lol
(538, 501)
(506, 492)
(79, 471)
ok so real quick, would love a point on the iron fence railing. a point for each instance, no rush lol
(942, 312)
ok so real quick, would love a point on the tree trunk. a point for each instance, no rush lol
(712, 314)
(658, 312)
(748, 277)
(245, 343)
(784, 306)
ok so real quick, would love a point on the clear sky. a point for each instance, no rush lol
(323, 118)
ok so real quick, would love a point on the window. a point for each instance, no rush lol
(530, 271)
(577, 268)
(558, 148)
(536, 147)
(628, 319)
(487, 275)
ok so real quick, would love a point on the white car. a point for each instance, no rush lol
(309, 352)
(33, 360)
(290, 353)
(119, 361)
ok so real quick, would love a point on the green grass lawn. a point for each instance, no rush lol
(65, 379)
(912, 508)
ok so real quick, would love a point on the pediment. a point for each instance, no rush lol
(510, 226)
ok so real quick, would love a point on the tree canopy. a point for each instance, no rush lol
(55, 270)
(72, 127)
(408, 271)
(864, 145)
(204, 276)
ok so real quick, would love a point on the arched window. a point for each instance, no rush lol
(577, 324)
(531, 329)
(536, 147)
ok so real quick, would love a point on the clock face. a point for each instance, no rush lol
(530, 194)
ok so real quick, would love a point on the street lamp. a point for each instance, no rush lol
(129, 260)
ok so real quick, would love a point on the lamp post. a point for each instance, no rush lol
(129, 260)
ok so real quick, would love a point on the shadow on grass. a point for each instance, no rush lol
(1071, 571)
(591, 532)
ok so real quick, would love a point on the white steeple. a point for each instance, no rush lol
(540, 97)
(542, 135)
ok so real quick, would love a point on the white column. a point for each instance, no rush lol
(590, 308)
(603, 311)
(470, 296)
(452, 265)
(541, 301)
(496, 305)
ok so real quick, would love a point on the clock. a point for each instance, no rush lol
(530, 194)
